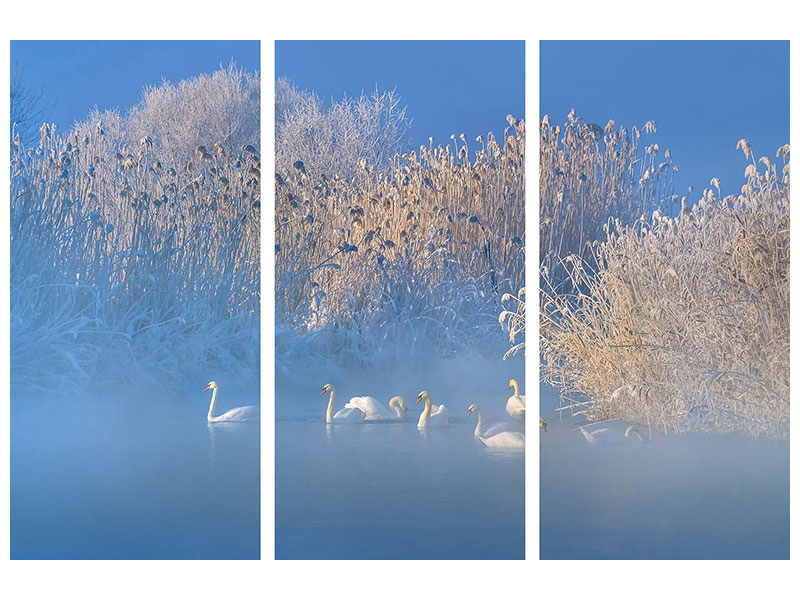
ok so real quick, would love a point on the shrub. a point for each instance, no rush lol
(389, 263)
(337, 140)
(128, 262)
(682, 322)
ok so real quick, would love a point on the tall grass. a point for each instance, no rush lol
(393, 263)
(130, 263)
(681, 323)
(588, 175)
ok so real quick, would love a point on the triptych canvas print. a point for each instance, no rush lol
(379, 264)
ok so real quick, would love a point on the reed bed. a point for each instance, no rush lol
(394, 262)
(130, 263)
(681, 323)
(589, 174)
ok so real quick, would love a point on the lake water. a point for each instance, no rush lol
(676, 497)
(115, 479)
(389, 491)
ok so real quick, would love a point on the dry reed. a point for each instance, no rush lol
(418, 255)
(681, 323)
(128, 261)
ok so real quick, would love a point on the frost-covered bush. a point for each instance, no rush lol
(347, 138)
(393, 264)
(682, 323)
(128, 264)
(218, 108)
(588, 175)
(26, 106)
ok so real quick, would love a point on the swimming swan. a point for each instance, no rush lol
(494, 429)
(243, 413)
(375, 411)
(515, 406)
(434, 415)
(606, 435)
(349, 414)
(497, 436)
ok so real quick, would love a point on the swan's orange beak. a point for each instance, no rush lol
(469, 412)
(419, 398)
(322, 392)
(207, 388)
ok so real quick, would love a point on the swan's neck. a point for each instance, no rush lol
(396, 405)
(631, 432)
(213, 402)
(423, 418)
(515, 385)
(479, 426)
(329, 413)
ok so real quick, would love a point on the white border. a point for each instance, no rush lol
(502, 19)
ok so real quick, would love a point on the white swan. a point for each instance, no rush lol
(349, 414)
(494, 429)
(434, 415)
(515, 406)
(497, 436)
(242, 413)
(375, 411)
(606, 435)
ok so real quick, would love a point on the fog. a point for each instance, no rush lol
(133, 477)
(697, 496)
(387, 490)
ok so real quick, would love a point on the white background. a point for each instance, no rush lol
(381, 579)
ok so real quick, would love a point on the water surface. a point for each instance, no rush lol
(389, 491)
(676, 497)
(117, 479)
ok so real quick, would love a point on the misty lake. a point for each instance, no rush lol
(115, 479)
(675, 497)
(390, 491)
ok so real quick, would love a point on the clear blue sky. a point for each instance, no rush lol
(703, 96)
(74, 76)
(448, 86)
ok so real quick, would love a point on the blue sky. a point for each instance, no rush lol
(703, 96)
(448, 86)
(74, 76)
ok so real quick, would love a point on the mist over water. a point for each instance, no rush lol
(693, 496)
(124, 478)
(387, 490)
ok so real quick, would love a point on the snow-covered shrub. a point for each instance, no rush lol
(348, 138)
(210, 110)
(682, 323)
(128, 263)
(27, 107)
(218, 108)
(397, 263)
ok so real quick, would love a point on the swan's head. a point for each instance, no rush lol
(543, 424)
(512, 383)
(472, 408)
(399, 403)
(326, 388)
(212, 385)
(423, 395)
